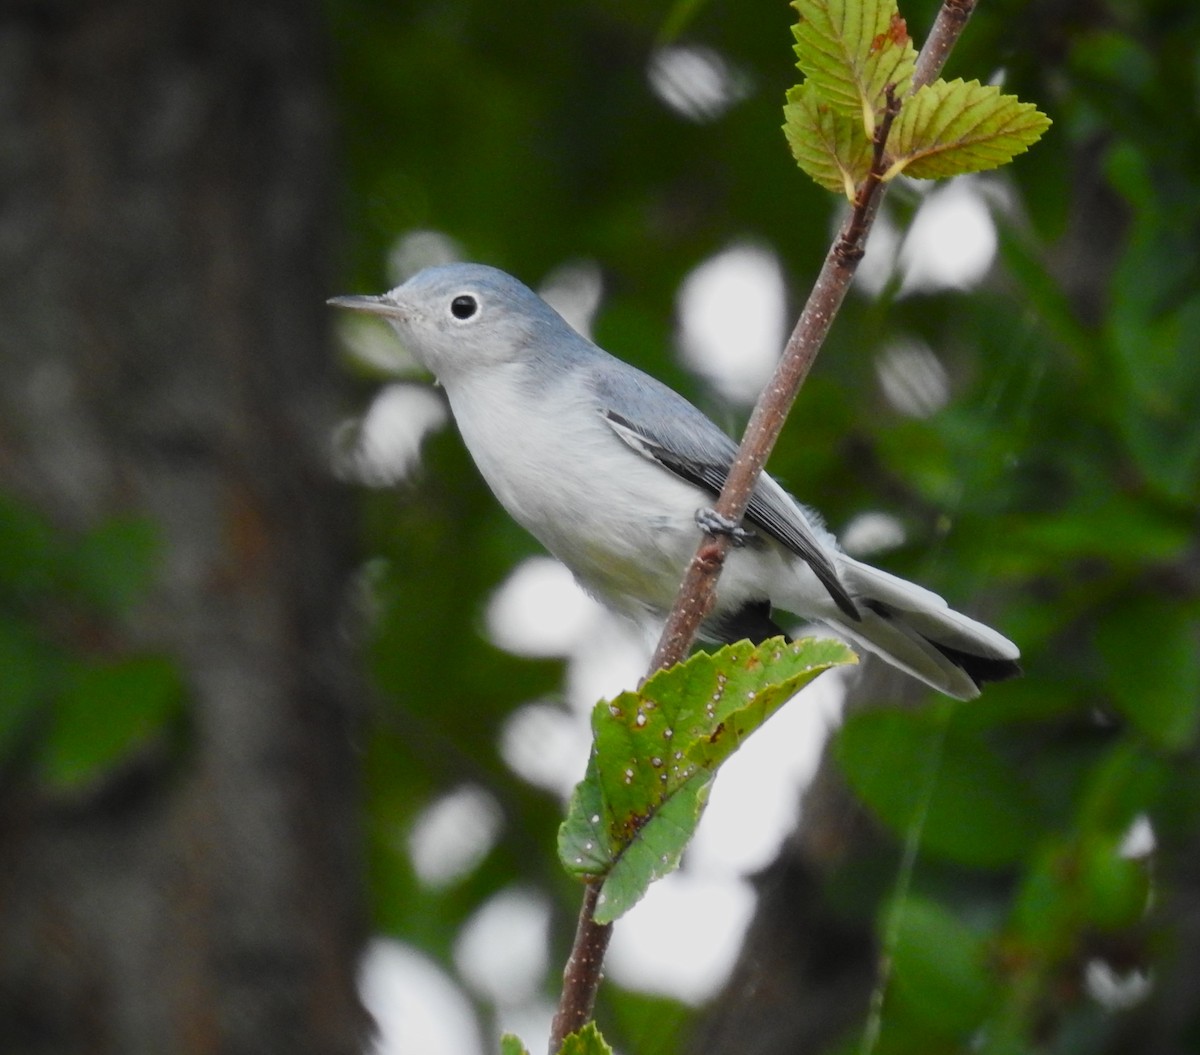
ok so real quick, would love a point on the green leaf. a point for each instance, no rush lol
(1130, 780)
(939, 968)
(29, 550)
(28, 668)
(586, 1041)
(114, 563)
(656, 750)
(850, 51)
(511, 1045)
(1113, 526)
(583, 844)
(677, 20)
(1114, 889)
(1154, 313)
(1044, 915)
(966, 798)
(106, 711)
(829, 147)
(655, 850)
(1152, 669)
(951, 127)
(1072, 885)
(661, 1024)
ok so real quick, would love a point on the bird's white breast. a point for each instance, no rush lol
(624, 525)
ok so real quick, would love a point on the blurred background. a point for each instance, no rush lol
(289, 708)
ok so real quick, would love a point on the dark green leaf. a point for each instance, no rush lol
(29, 550)
(655, 849)
(1115, 890)
(106, 711)
(939, 968)
(583, 842)
(28, 670)
(950, 782)
(1128, 782)
(1152, 668)
(114, 563)
(656, 750)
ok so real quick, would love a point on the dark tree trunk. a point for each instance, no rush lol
(165, 203)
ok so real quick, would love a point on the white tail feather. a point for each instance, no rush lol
(914, 629)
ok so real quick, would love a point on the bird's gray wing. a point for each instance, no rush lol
(664, 427)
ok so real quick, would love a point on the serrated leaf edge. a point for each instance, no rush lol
(615, 853)
(1024, 123)
(856, 45)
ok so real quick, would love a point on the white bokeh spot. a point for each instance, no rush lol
(502, 951)
(872, 532)
(546, 746)
(695, 81)
(539, 610)
(384, 446)
(683, 937)
(1139, 840)
(1113, 990)
(951, 242)
(755, 799)
(453, 834)
(731, 320)
(416, 250)
(878, 265)
(912, 377)
(575, 290)
(417, 1009)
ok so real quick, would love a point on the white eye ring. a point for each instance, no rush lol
(464, 306)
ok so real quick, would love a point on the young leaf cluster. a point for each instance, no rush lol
(656, 750)
(587, 1041)
(856, 55)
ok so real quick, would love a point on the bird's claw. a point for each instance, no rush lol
(710, 521)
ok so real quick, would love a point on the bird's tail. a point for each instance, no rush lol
(915, 630)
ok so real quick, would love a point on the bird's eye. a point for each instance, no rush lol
(463, 306)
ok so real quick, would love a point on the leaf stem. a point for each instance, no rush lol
(581, 976)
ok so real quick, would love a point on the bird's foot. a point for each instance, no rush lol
(710, 521)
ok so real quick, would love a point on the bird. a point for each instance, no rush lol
(614, 473)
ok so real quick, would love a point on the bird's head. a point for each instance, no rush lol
(456, 319)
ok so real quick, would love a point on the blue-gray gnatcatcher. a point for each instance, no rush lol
(612, 471)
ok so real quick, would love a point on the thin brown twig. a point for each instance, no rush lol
(699, 585)
(951, 20)
(697, 592)
(581, 978)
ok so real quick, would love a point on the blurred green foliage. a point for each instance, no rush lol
(76, 702)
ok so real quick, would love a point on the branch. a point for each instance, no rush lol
(581, 977)
(951, 20)
(698, 590)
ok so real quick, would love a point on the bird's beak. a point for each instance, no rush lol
(380, 305)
